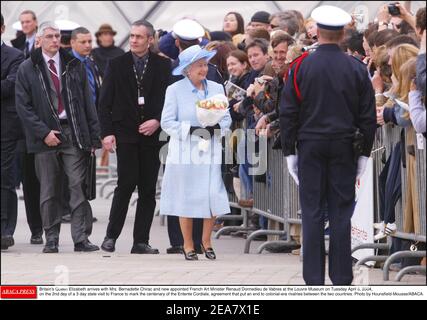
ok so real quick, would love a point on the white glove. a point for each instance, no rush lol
(361, 166)
(292, 162)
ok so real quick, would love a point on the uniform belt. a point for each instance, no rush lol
(63, 121)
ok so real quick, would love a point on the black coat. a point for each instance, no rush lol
(337, 98)
(102, 55)
(11, 128)
(36, 109)
(19, 43)
(97, 77)
(118, 102)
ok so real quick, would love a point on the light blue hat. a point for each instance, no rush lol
(190, 55)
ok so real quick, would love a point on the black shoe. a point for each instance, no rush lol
(209, 253)
(6, 242)
(36, 239)
(109, 244)
(66, 218)
(191, 255)
(143, 248)
(175, 249)
(85, 246)
(50, 247)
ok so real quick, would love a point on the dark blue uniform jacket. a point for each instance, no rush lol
(336, 98)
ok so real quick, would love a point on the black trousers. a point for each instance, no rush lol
(31, 190)
(175, 234)
(9, 200)
(137, 166)
(327, 174)
(390, 185)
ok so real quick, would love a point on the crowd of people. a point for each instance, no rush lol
(62, 99)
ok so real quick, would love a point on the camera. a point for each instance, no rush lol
(261, 81)
(393, 10)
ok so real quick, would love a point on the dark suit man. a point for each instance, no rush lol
(30, 183)
(131, 103)
(11, 131)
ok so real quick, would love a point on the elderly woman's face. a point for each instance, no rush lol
(198, 70)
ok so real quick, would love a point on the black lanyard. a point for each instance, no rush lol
(140, 79)
(140, 88)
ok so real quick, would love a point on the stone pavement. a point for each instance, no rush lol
(25, 264)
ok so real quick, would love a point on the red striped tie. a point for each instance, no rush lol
(55, 79)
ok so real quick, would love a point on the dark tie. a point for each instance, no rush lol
(91, 78)
(140, 66)
(27, 49)
(54, 75)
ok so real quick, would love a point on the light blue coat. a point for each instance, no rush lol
(192, 184)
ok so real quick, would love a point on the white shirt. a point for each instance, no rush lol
(57, 64)
(56, 59)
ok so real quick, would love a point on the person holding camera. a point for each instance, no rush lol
(55, 105)
(397, 17)
(324, 103)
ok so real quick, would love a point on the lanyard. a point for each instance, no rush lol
(139, 86)
(140, 79)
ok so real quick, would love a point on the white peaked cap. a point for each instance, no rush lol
(330, 17)
(188, 29)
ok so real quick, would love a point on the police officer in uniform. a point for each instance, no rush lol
(325, 102)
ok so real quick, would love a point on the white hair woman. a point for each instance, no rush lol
(192, 185)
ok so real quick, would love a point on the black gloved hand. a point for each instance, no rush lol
(210, 129)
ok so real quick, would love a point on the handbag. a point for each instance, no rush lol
(90, 179)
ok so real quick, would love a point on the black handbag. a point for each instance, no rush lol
(90, 180)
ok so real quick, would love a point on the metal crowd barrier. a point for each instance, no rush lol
(276, 199)
(244, 227)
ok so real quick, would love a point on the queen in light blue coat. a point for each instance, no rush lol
(192, 185)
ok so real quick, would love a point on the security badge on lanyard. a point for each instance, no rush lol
(141, 99)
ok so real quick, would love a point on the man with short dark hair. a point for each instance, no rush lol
(355, 45)
(61, 126)
(81, 48)
(326, 99)
(11, 132)
(131, 103)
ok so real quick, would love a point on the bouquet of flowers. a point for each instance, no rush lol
(211, 111)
